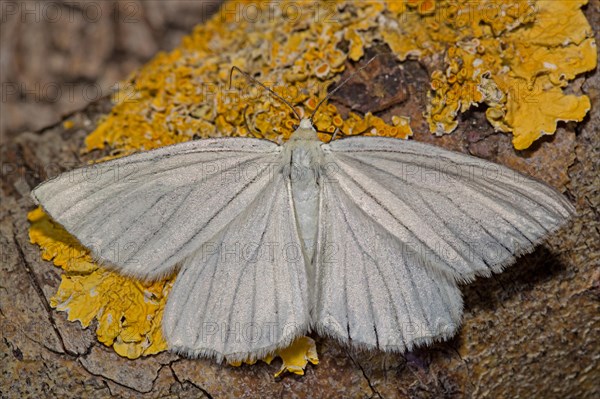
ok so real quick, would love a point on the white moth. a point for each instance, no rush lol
(363, 239)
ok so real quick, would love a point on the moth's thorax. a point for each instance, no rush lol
(304, 132)
(302, 151)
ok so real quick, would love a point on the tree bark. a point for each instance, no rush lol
(531, 331)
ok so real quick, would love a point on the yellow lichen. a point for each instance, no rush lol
(515, 57)
(530, 120)
(128, 312)
(356, 44)
(515, 70)
(294, 358)
(297, 355)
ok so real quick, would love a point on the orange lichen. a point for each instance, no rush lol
(423, 6)
(514, 57)
(399, 129)
(322, 71)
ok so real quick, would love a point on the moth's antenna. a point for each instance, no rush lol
(252, 79)
(342, 84)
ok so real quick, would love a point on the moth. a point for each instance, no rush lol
(362, 239)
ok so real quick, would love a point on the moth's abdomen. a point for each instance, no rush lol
(303, 174)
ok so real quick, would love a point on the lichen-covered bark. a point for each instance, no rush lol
(531, 331)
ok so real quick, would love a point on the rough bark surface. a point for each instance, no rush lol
(531, 331)
(57, 56)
